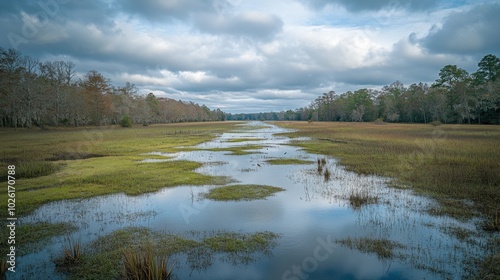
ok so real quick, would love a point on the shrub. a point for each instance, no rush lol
(126, 121)
(436, 123)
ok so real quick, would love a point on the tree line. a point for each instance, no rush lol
(34, 93)
(455, 97)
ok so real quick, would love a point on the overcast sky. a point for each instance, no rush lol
(255, 55)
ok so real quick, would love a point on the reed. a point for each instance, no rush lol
(144, 265)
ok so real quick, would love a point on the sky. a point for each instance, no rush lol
(259, 55)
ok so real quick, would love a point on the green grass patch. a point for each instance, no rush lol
(105, 257)
(287, 161)
(105, 175)
(238, 140)
(239, 150)
(242, 192)
(383, 248)
(32, 237)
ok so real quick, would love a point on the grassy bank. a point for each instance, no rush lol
(456, 164)
(66, 163)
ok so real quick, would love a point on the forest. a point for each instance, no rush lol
(455, 97)
(34, 93)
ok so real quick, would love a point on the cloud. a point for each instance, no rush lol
(255, 55)
(170, 9)
(473, 31)
(252, 24)
(375, 5)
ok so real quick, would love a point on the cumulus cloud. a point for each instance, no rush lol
(473, 31)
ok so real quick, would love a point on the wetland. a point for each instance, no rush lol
(254, 201)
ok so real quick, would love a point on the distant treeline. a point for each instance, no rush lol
(455, 97)
(34, 93)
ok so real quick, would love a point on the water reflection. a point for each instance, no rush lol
(312, 208)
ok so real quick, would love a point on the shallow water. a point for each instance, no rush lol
(309, 216)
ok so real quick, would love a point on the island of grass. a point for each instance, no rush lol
(242, 192)
(239, 150)
(286, 161)
(238, 140)
(143, 251)
(383, 248)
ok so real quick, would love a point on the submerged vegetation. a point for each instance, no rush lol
(242, 192)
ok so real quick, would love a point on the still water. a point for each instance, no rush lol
(310, 215)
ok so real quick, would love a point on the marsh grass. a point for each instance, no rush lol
(383, 248)
(238, 140)
(72, 156)
(66, 163)
(145, 265)
(33, 169)
(242, 192)
(451, 163)
(3, 268)
(238, 150)
(359, 197)
(287, 161)
(72, 254)
(489, 267)
(493, 223)
(142, 251)
(33, 237)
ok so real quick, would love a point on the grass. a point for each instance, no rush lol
(32, 237)
(287, 161)
(238, 150)
(359, 197)
(383, 248)
(3, 268)
(238, 140)
(453, 163)
(144, 265)
(73, 252)
(242, 192)
(68, 163)
(138, 251)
